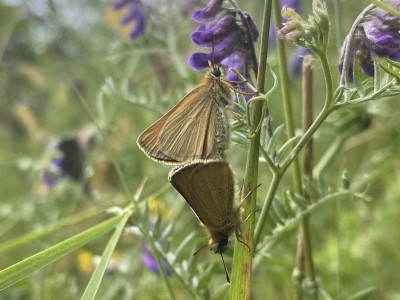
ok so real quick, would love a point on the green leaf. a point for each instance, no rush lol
(390, 71)
(312, 188)
(357, 80)
(279, 208)
(275, 216)
(274, 139)
(189, 239)
(38, 261)
(95, 280)
(286, 148)
(27, 238)
(297, 199)
(395, 64)
(240, 139)
(364, 294)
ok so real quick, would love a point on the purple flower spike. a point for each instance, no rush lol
(378, 34)
(229, 30)
(136, 15)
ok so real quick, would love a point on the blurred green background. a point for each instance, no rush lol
(68, 68)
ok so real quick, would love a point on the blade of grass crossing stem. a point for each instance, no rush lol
(39, 260)
(95, 280)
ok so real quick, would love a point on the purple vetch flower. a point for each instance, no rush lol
(232, 33)
(135, 16)
(53, 173)
(150, 262)
(70, 163)
(148, 258)
(378, 34)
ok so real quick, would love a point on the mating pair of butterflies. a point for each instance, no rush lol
(194, 135)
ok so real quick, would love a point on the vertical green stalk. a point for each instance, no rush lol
(242, 260)
(304, 248)
(285, 89)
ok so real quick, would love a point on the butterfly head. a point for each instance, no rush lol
(217, 70)
(218, 246)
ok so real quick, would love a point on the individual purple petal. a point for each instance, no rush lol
(380, 39)
(140, 22)
(252, 26)
(227, 45)
(202, 37)
(199, 61)
(135, 14)
(235, 61)
(120, 4)
(209, 11)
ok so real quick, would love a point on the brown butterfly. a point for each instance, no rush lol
(208, 187)
(195, 128)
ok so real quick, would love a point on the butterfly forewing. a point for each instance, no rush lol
(195, 128)
(190, 132)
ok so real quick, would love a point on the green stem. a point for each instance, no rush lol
(304, 247)
(325, 112)
(242, 260)
(270, 163)
(329, 99)
(276, 179)
(328, 108)
(286, 97)
(390, 9)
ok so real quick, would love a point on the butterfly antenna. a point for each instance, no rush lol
(199, 250)
(212, 51)
(249, 193)
(226, 271)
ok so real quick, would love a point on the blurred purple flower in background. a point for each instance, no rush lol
(67, 159)
(377, 34)
(228, 30)
(70, 164)
(135, 16)
(296, 61)
(147, 256)
(150, 262)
